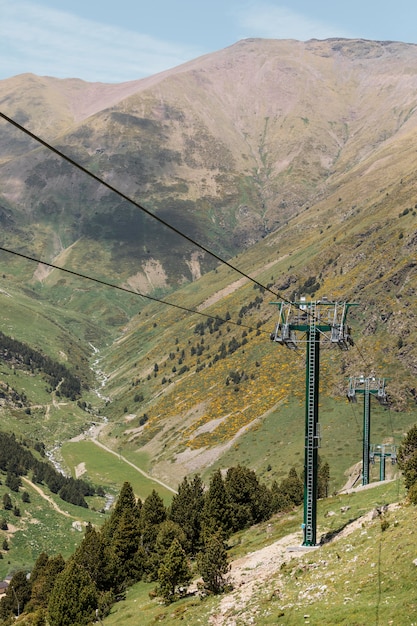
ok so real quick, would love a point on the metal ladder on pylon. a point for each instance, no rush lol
(311, 442)
(366, 428)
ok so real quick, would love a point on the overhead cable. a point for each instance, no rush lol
(129, 199)
(125, 289)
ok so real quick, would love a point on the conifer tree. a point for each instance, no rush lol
(293, 487)
(249, 500)
(125, 501)
(7, 502)
(280, 499)
(407, 457)
(40, 564)
(17, 595)
(216, 513)
(168, 531)
(213, 564)
(173, 573)
(125, 548)
(186, 509)
(37, 573)
(323, 479)
(153, 513)
(44, 580)
(94, 556)
(74, 598)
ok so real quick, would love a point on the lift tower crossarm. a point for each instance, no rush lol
(315, 319)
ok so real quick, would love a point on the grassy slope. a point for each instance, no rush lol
(193, 413)
(356, 241)
(364, 577)
(42, 528)
(109, 470)
(197, 412)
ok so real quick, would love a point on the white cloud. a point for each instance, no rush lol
(56, 43)
(279, 22)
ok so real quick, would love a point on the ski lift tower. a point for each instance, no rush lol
(366, 386)
(321, 318)
(383, 450)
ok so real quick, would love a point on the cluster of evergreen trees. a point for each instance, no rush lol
(16, 459)
(148, 541)
(30, 359)
(407, 462)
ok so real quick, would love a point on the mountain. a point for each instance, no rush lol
(293, 161)
(225, 148)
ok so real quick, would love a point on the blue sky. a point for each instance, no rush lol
(99, 40)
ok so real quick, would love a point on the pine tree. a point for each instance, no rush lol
(125, 548)
(407, 457)
(249, 500)
(153, 513)
(13, 481)
(40, 564)
(17, 595)
(125, 501)
(293, 487)
(186, 509)
(44, 580)
(173, 573)
(168, 531)
(323, 480)
(213, 564)
(280, 499)
(216, 513)
(94, 556)
(74, 599)
(7, 502)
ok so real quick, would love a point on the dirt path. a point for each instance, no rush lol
(254, 570)
(257, 568)
(138, 469)
(45, 497)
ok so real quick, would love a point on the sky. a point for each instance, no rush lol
(122, 40)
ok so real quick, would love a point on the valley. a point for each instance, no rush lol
(277, 170)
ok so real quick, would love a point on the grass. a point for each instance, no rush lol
(111, 471)
(62, 315)
(276, 442)
(49, 423)
(41, 528)
(366, 577)
(138, 602)
(270, 404)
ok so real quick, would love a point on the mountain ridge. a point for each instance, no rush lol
(238, 158)
(294, 160)
(296, 163)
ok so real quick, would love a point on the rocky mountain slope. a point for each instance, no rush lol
(225, 148)
(296, 162)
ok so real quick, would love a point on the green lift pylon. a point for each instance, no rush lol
(383, 450)
(317, 319)
(366, 386)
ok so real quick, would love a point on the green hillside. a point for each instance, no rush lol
(299, 188)
(365, 574)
